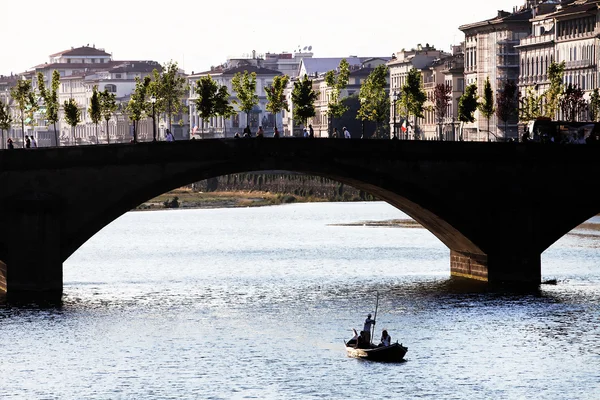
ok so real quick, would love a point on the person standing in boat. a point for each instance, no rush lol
(386, 339)
(367, 328)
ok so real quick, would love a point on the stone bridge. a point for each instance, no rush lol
(497, 206)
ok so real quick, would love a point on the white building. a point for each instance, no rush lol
(227, 127)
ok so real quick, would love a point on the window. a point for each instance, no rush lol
(110, 88)
(117, 76)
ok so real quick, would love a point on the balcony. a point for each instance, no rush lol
(578, 64)
(532, 40)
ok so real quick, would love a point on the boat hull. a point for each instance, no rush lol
(392, 353)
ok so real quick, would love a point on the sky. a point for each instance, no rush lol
(199, 34)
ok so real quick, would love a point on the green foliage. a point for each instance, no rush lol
(108, 106)
(276, 100)
(23, 95)
(5, 117)
(170, 90)
(303, 99)
(95, 109)
(222, 106)
(530, 106)
(374, 102)
(486, 106)
(552, 95)
(138, 104)
(244, 85)
(572, 102)
(50, 97)
(412, 94)
(594, 105)
(212, 99)
(467, 104)
(337, 82)
(72, 112)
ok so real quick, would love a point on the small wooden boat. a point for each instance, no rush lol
(392, 353)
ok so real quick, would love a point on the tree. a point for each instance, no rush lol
(95, 109)
(572, 103)
(487, 104)
(507, 103)
(276, 100)
(212, 99)
(222, 106)
(171, 91)
(303, 99)
(337, 82)
(108, 106)
(22, 93)
(374, 102)
(594, 105)
(138, 105)
(552, 95)
(530, 106)
(467, 104)
(5, 119)
(50, 98)
(244, 85)
(72, 114)
(413, 96)
(442, 94)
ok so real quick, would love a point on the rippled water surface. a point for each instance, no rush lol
(255, 304)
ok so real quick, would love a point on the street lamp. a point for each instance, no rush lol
(153, 101)
(395, 99)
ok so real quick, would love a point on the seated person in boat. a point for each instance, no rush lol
(386, 339)
(362, 342)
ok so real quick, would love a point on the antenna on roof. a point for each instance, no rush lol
(309, 48)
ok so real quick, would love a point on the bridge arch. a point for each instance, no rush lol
(488, 202)
(399, 197)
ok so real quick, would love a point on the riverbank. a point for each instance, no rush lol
(188, 198)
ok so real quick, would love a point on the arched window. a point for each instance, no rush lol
(110, 88)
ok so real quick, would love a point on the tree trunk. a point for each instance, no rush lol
(23, 128)
(56, 135)
(169, 111)
(97, 142)
(107, 135)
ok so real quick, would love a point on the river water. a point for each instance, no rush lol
(255, 303)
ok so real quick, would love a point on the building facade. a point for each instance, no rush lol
(491, 53)
(422, 58)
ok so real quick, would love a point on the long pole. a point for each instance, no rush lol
(376, 305)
